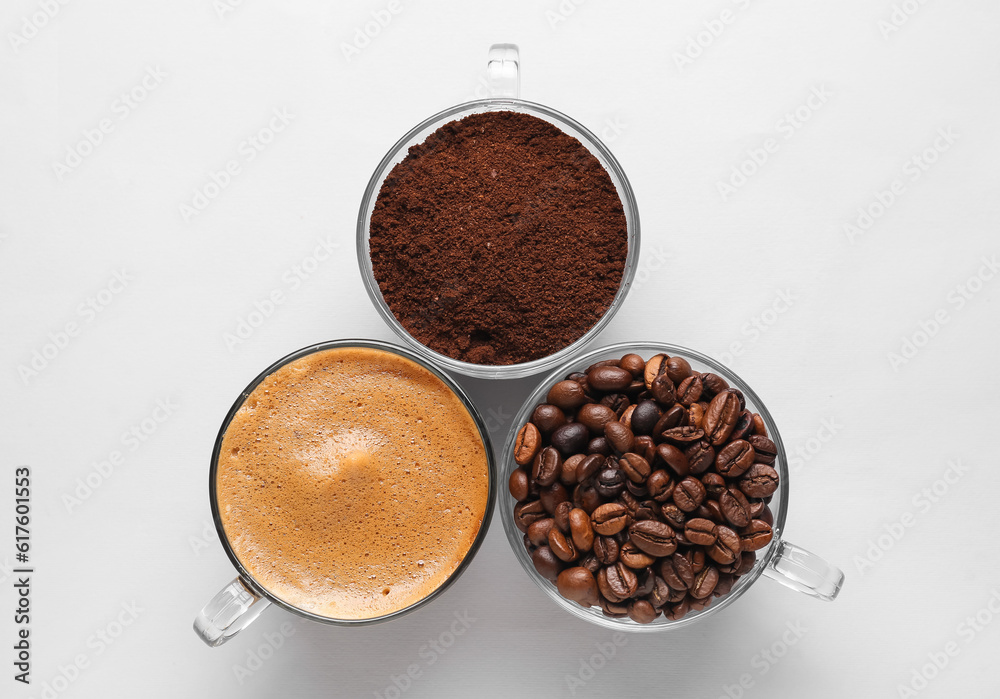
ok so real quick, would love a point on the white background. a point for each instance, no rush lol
(710, 265)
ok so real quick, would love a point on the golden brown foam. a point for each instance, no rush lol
(352, 482)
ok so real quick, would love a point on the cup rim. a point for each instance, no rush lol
(506, 465)
(596, 148)
(491, 464)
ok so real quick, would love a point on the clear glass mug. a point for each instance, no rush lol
(240, 602)
(780, 560)
(503, 87)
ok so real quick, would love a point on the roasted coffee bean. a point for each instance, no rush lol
(561, 516)
(714, 511)
(548, 417)
(735, 458)
(759, 481)
(538, 531)
(743, 428)
(566, 395)
(653, 537)
(606, 549)
(713, 384)
(689, 391)
(581, 530)
(689, 494)
(720, 418)
(642, 612)
(570, 438)
(645, 447)
(699, 604)
(634, 557)
(626, 418)
(636, 390)
(700, 456)
(682, 436)
(673, 417)
(759, 426)
(704, 582)
(747, 561)
(546, 563)
(547, 467)
(617, 582)
(529, 441)
(614, 610)
(656, 365)
(551, 496)
(567, 474)
(562, 545)
(578, 584)
(756, 536)
(633, 364)
(518, 484)
(677, 595)
(756, 507)
(766, 450)
(678, 369)
(660, 485)
(586, 497)
(645, 416)
(714, 484)
(588, 467)
(590, 562)
(609, 483)
(647, 579)
(528, 544)
(674, 459)
(729, 567)
(599, 445)
(766, 516)
(676, 571)
(696, 415)
(617, 402)
(602, 363)
(635, 467)
(609, 379)
(658, 595)
(664, 391)
(594, 416)
(638, 490)
(700, 531)
(725, 585)
(697, 558)
(727, 545)
(673, 515)
(735, 507)
(619, 437)
(678, 610)
(630, 503)
(610, 518)
(527, 512)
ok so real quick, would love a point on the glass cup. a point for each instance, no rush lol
(503, 88)
(780, 560)
(242, 600)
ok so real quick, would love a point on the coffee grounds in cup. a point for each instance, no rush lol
(500, 239)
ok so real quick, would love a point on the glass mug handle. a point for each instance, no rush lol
(503, 77)
(806, 572)
(229, 612)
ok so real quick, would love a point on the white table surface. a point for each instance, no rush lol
(711, 264)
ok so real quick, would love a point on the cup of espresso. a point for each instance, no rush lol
(350, 483)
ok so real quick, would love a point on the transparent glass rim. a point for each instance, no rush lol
(515, 537)
(248, 578)
(591, 142)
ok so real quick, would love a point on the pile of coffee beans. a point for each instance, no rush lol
(643, 486)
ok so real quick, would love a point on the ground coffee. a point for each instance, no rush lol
(498, 240)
